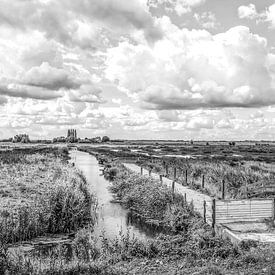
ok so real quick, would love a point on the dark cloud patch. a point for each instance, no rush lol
(59, 19)
(50, 78)
(3, 100)
(23, 91)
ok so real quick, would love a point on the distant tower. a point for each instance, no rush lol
(72, 135)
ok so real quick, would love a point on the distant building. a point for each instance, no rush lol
(71, 135)
(23, 138)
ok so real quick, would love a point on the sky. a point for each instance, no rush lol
(138, 69)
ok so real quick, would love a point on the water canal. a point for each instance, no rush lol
(113, 219)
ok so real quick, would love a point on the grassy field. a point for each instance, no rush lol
(40, 193)
(186, 246)
(57, 200)
(248, 170)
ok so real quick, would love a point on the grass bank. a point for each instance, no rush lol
(41, 194)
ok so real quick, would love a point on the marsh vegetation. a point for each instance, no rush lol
(185, 246)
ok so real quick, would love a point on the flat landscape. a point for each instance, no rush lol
(49, 212)
(247, 170)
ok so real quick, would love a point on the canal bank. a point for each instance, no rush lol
(113, 220)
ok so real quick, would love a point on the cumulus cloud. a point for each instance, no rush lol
(193, 69)
(270, 15)
(23, 91)
(248, 12)
(51, 78)
(56, 55)
(80, 23)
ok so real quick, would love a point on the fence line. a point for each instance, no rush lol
(216, 211)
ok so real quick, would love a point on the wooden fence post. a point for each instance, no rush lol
(186, 175)
(175, 173)
(185, 198)
(160, 178)
(173, 186)
(204, 211)
(141, 170)
(166, 170)
(223, 189)
(213, 215)
(150, 172)
(202, 182)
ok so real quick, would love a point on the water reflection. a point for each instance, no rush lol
(113, 219)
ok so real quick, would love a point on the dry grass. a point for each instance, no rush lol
(45, 195)
(237, 175)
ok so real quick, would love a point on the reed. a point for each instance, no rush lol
(59, 202)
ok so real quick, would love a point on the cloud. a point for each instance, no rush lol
(50, 78)
(199, 123)
(248, 12)
(270, 15)
(86, 93)
(195, 69)
(3, 100)
(23, 91)
(117, 101)
(82, 23)
(206, 20)
(180, 7)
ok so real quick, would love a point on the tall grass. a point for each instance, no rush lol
(192, 249)
(237, 175)
(62, 209)
(61, 202)
(195, 252)
(153, 203)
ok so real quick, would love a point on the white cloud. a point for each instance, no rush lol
(56, 55)
(180, 7)
(270, 15)
(117, 101)
(191, 69)
(206, 20)
(86, 93)
(248, 12)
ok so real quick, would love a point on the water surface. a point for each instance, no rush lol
(112, 217)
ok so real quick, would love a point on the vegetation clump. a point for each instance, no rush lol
(46, 195)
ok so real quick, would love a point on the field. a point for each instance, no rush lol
(43, 195)
(248, 170)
